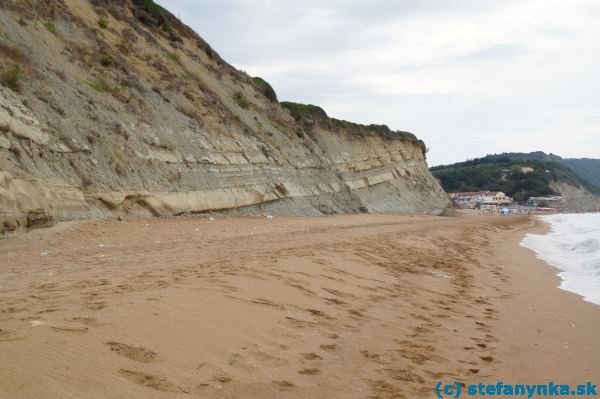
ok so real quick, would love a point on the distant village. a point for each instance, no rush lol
(496, 202)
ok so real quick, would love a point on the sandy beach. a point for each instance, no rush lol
(362, 306)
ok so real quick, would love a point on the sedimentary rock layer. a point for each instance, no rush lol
(119, 109)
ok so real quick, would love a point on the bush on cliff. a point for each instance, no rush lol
(11, 77)
(265, 88)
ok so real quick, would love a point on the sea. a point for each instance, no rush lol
(573, 246)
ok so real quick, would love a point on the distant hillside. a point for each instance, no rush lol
(524, 156)
(587, 168)
(520, 176)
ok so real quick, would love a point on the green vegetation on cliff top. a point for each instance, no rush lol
(265, 88)
(311, 114)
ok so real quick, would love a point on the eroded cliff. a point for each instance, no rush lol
(116, 108)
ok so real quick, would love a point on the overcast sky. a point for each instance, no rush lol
(469, 77)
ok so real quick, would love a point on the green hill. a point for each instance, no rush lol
(519, 175)
(587, 168)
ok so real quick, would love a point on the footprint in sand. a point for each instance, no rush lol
(356, 313)
(329, 347)
(51, 310)
(371, 356)
(69, 329)
(269, 360)
(301, 288)
(311, 356)
(376, 298)
(149, 381)
(137, 353)
(416, 358)
(6, 335)
(282, 385)
(319, 313)
(334, 301)
(239, 362)
(339, 293)
(309, 371)
(96, 305)
(405, 375)
(223, 378)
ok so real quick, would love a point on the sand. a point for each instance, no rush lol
(356, 306)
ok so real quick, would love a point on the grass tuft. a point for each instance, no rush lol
(103, 22)
(97, 85)
(173, 57)
(154, 9)
(241, 101)
(11, 78)
(106, 60)
(50, 26)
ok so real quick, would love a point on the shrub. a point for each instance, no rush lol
(154, 9)
(265, 88)
(97, 85)
(300, 111)
(106, 60)
(300, 133)
(191, 76)
(50, 26)
(241, 100)
(10, 78)
(103, 22)
(173, 57)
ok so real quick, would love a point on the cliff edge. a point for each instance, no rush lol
(112, 108)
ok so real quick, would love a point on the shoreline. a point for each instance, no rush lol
(339, 306)
(549, 334)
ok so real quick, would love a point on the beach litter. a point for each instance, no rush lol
(269, 217)
(443, 275)
(35, 323)
(44, 253)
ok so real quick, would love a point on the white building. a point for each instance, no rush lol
(551, 202)
(487, 200)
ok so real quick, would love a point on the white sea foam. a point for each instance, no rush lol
(573, 246)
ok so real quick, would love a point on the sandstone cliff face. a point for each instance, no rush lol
(577, 199)
(115, 108)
